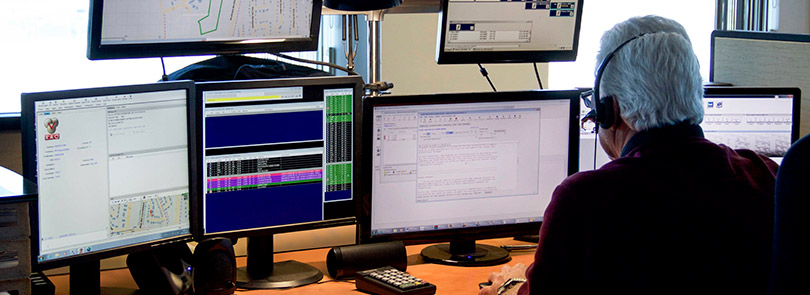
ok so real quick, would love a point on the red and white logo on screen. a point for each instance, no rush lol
(50, 126)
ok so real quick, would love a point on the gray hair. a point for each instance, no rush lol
(656, 78)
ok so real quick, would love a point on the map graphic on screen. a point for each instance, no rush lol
(154, 21)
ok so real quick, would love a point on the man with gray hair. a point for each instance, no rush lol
(673, 213)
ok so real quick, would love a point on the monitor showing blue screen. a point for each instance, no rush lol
(278, 152)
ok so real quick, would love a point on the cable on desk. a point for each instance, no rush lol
(486, 75)
(164, 77)
(350, 281)
(518, 247)
(537, 73)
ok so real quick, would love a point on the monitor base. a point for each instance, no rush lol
(85, 279)
(286, 274)
(483, 255)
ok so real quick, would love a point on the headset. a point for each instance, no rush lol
(605, 114)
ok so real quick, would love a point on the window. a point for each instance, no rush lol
(46, 50)
(599, 16)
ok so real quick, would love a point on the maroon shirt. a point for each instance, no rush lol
(676, 214)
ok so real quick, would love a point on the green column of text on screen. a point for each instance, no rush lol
(339, 104)
(339, 174)
(339, 118)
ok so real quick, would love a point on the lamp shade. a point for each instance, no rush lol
(361, 5)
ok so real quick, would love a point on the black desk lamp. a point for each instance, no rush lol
(361, 5)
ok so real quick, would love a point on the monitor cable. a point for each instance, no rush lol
(165, 77)
(519, 247)
(331, 65)
(537, 73)
(486, 75)
(595, 141)
(589, 100)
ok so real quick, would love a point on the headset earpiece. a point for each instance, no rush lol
(605, 113)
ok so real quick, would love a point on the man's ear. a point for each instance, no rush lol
(617, 113)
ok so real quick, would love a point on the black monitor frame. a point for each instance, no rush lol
(354, 82)
(749, 35)
(719, 91)
(30, 163)
(97, 51)
(262, 272)
(473, 57)
(457, 234)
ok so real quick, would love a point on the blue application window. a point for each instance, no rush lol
(277, 156)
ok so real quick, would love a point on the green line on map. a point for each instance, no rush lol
(199, 22)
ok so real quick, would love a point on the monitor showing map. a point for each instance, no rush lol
(156, 28)
(113, 166)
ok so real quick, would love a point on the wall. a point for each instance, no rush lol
(794, 16)
(11, 150)
(408, 60)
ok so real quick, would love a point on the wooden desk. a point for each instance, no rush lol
(448, 279)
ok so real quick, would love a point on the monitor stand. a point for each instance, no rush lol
(262, 273)
(465, 253)
(85, 279)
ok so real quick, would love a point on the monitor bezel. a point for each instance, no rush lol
(97, 51)
(750, 35)
(473, 233)
(719, 91)
(445, 57)
(358, 86)
(28, 136)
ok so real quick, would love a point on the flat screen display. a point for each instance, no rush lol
(279, 152)
(113, 167)
(760, 119)
(121, 29)
(508, 31)
(464, 166)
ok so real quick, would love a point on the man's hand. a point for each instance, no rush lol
(498, 278)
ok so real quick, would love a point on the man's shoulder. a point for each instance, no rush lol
(583, 182)
(700, 152)
(698, 156)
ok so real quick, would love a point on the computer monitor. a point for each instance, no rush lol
(762, 119)
(115, 172)
(464, 166)
(155, 28)
(754, 59)
(279, 156)
(508, 31)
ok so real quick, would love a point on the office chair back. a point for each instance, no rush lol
(791, 262)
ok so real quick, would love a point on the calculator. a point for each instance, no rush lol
(388, 280)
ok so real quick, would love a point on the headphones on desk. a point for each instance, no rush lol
(605, 114)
